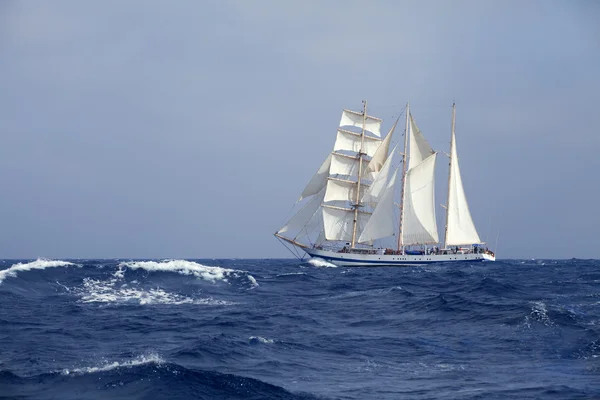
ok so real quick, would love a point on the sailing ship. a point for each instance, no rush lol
(347, 213)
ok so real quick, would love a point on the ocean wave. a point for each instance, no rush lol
(113, 291)
(319, 262)
(539, 314)
(260, 339)
(184, 267)
(40, 263)
(142, 378)
(140, 360)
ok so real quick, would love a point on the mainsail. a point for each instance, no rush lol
(418, 210)
(460, 228)
(419, 224)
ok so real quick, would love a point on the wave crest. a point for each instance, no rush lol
(98, 291)
(184, 267)
(260, 339)
(40, 263)
(141, 360)
(319, 262)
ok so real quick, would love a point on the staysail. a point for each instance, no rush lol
(381, 224)
(419, 224)
(318, 181)
(418, 221)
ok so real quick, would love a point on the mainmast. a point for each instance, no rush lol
(449, 174)
(360, 159)
(404, 154)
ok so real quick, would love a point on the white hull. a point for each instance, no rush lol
(383, 260)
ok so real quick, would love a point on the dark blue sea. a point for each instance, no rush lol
(286, 329)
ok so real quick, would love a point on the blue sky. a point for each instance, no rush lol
(188, 129)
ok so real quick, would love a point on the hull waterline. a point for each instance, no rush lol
(393, 260)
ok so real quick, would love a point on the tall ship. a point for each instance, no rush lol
(368, 205)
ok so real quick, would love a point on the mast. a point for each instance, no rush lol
(403, 177)
(360, 159)
(449, 174)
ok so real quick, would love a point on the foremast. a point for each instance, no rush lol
(351, 195)
(360, 162)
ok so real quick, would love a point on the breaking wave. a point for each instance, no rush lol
(260, 339)
(114, 291)
(184, 267)
(141, 360)
(319, 262)
(37, 264)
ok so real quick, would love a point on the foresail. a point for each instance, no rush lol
(419, 222)
(355, 119)
(342, 190)
(381, 224)
(338, 223)
(302, 217)
(345, 165)
(351, 141)
(318, 181)
(342, 181)
(461, 229)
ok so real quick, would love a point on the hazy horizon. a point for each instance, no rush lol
(147, 129)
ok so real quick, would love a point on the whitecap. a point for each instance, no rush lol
(538, 313)
(37, 264)
(99, 291)
(184, 267)
(319, 262)
(260, 339)
(141, 360)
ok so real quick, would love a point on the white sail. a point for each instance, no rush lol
(318, 181)
(381, 224)
(314, 225)
(419, 147)
(342, 190)
(338, 223)
(419, 223)
(302, 217)
(461, 229)
(375, 190)
(353, 118)
(378, 159)
(351, 141)
(345, 165)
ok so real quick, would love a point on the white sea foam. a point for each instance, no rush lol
(113, 291)
(319, 262)
(37, 264)
(141, 360)
(184, 267)
(538, 313)
(254, 339)
(292, 273)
